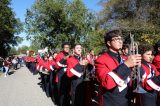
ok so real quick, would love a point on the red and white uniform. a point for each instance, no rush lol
(29, 59)
(73, 67)
(37, 62)
(156, 62)
(113, 76)
(47, 65)
(150, 83)
(60, 61)
(150, 77)
(52, 64)
(41, 64)
(75, 72)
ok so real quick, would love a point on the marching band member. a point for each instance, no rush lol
(54, 56)
(53, 82)
(62, 78)
(125, 51)
(38, 58)
(51, 63)
(41, 69)
(156, 62)
(30, 60)
(49, 66)
(150, 77)
(91, 59)
(90, 83)
(62, 56)
(113, 73)
(75, 68)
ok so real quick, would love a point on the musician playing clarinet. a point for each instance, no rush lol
(113, 73)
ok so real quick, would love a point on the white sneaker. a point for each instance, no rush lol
(5, 76)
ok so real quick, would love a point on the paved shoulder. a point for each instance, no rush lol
(21, 89)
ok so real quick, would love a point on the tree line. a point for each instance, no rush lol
(51, 22)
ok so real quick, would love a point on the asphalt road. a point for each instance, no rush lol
(21, 89)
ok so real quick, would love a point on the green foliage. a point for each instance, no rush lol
(22, 50)
(51, 22)
(35, 46)
(96, 40)
(13, 51)
(140, 17)
(9, 26)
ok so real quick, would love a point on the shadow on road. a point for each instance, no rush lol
(11, 72)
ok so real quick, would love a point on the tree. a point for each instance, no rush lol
(22, 50)
(141, 17)
(13, 51)
(35, 46)
(51, 22)
(9, 26)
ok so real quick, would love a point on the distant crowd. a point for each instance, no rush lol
(11, 62)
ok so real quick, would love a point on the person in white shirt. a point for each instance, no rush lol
(14, 62)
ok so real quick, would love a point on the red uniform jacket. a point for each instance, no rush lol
(29, 59)
(47, 65)
(37, 58)
(106, 74)
(37, 62)
(26, 58)
(73, 67)
(51, 64)
(156, 62)
(124, 57)
(60, 61)
(41, 64)
(150, 77)
(112, 76)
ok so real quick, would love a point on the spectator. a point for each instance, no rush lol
(19, 61)
(15, 62)
(1, 64)
(6, 66)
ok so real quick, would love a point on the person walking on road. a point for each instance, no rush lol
(6, 66)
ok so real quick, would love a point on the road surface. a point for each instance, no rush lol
(21, 89)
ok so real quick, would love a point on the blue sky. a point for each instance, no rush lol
(20, 6)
